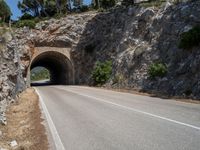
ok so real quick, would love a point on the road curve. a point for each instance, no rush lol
(95, 119)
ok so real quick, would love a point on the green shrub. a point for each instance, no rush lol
(152, 3)
(84, 8)
(157, 70)
(28, 23)
(59, 15)
(108, 3)
(26, 16)
(190, 39)
(102, 72)
(36, 19)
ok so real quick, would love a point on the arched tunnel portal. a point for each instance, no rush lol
(58, 62)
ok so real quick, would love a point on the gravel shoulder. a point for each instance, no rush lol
(25, 124)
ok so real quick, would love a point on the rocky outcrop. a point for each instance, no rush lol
(132, 38)
(10, 72)
(135, 40)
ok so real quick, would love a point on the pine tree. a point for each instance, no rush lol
(5, 12)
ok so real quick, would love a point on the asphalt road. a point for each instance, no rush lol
(40, 82)
(85, 118)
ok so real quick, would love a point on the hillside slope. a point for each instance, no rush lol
(133, 38)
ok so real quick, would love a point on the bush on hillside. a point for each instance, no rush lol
(28, 23)
(108, 3)
(84, 8)
(190, 39)
(152, 3)
(157, 70)
(102, 72)
(26, 16)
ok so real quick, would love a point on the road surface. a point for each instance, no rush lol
(85, 118)
(40, 82)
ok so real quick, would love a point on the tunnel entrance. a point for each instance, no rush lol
(59, 66)
(40, 76)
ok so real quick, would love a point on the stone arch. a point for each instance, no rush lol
(57, 61)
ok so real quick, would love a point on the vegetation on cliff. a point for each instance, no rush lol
(102, 72)
(190, 38)
(5, 12)
(157, 70)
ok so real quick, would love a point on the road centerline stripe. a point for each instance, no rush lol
(58, 143)
(135, 110)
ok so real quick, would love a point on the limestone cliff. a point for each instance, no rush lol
(11, 81)
(132, 38)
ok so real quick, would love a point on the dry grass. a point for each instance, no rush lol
(25, 124)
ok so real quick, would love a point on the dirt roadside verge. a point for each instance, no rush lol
(24, 124)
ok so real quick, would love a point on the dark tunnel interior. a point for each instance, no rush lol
(59, 66)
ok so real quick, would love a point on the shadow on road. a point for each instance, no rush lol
(41, 83)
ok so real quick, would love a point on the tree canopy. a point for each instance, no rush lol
(47, 7)
(5, 12)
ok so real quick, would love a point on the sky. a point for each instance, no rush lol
(13, 6)
(17, 13)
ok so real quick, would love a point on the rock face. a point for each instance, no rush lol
(133, 42)
(10, 71)
(133, 38)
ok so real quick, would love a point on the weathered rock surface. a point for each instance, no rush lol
(134, 42)
(10, 70)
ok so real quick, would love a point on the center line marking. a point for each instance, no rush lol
(135, 110)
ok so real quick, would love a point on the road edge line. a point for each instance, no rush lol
(138, 111)
(56, 138)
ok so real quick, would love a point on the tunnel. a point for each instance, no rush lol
(59, 66)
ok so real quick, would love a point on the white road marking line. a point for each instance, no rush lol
(58, 143)
(136, 110)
